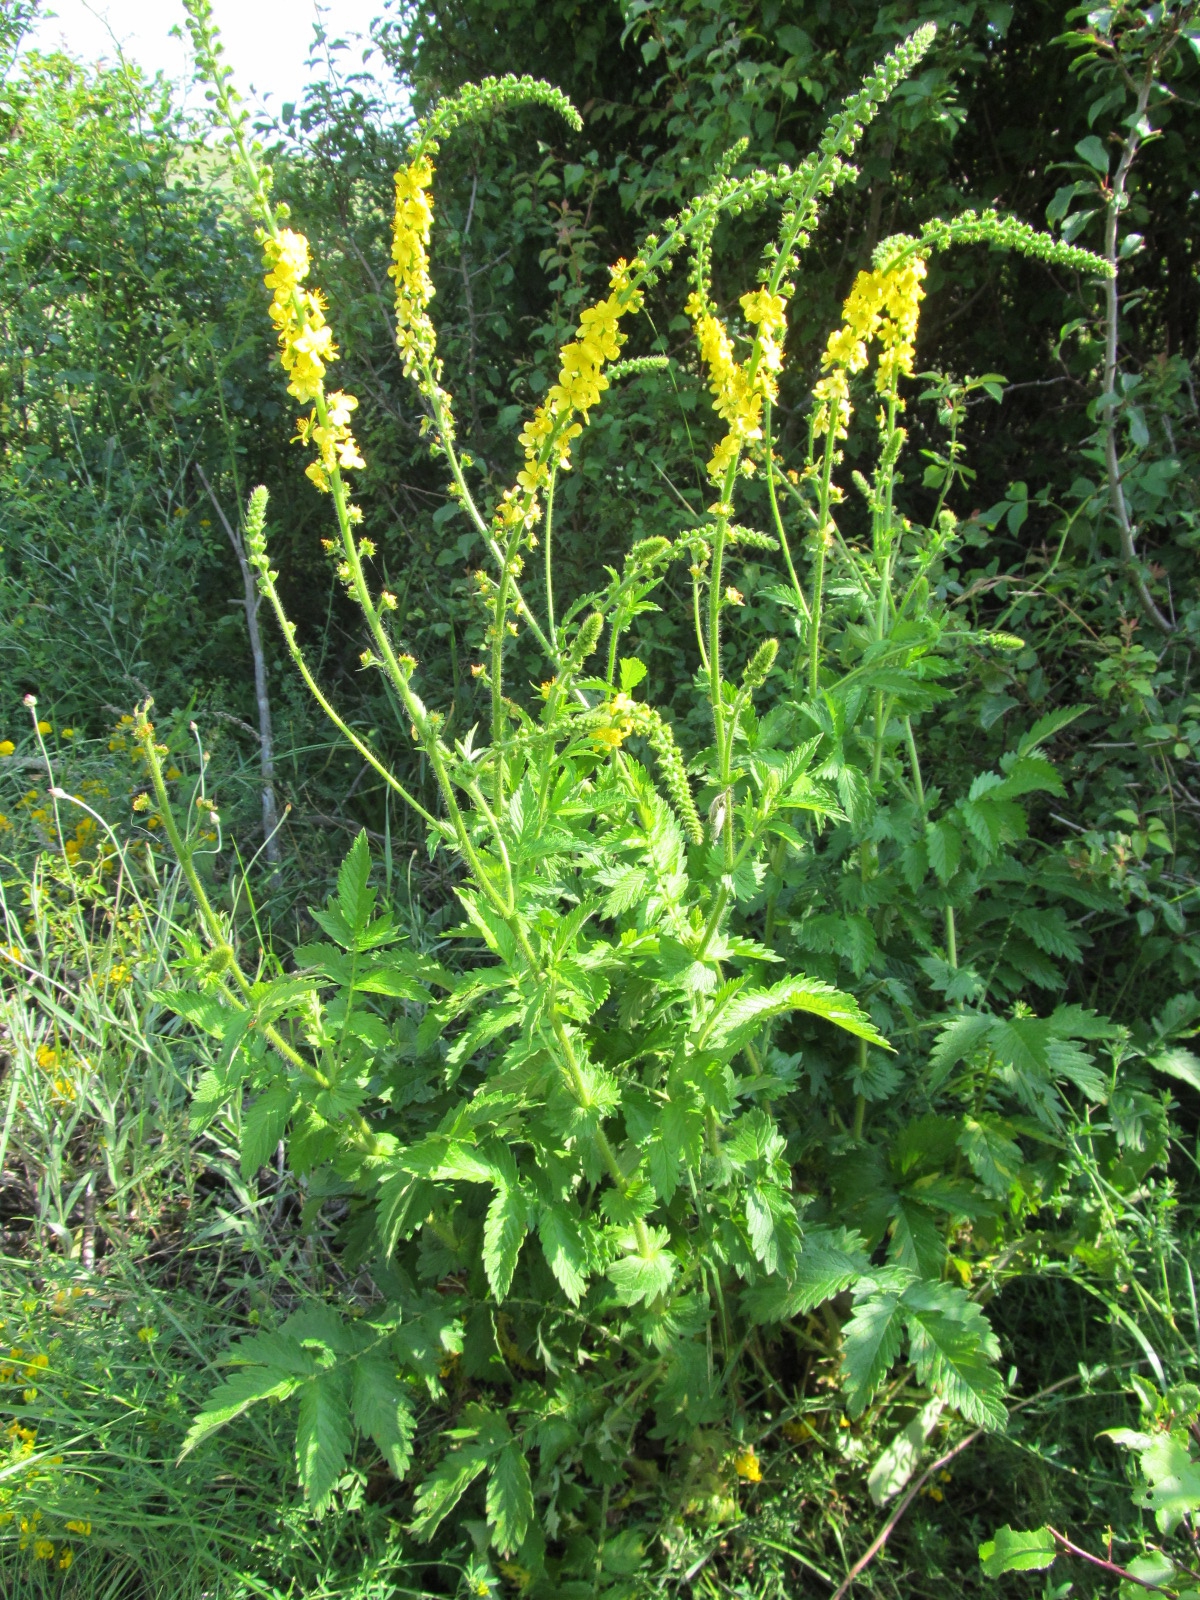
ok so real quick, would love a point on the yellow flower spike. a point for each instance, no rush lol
(739, 390)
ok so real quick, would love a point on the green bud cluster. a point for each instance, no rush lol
(659, 737)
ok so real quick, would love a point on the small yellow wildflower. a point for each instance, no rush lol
(65, 1560)
(147, 1335)
(68, 733)
(5, 824)
(173, 773)
(6, 747)
(43, 1550)
(746, 1465)
(44, 727)
(81, 1528)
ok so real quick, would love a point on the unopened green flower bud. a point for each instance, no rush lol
(760, 664)
(587, 639)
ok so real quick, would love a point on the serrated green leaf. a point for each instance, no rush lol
(238, 1393)
(1014, 1551)
(445, 1487)
(644, 1277)
(203, 1011)
(994, 1158)
(943, 843)
(397, 985)
(1178, 1063)
(632, 673)
(509, 1498)
(748, 1012)
(263, 1125)
(323, 1437)
(958, 1039)
(870, 1344)
(1046, 727)
(953, 1347)
(503, 1234)
(564, 1252)
(829, 1261)
(355, 897)
(382, 1410)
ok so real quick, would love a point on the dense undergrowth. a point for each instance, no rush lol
(687, 1086)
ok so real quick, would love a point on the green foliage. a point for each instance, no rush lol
(1169, 1487)
(758, 1028)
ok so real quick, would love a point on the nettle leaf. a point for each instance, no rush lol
(503, 1234)
(238, 1393)
(1014, 1551)
(509, 1498)
(323, 1437)
(382, 1410)
(564, 1250)
(644, 1277)
(953, 1347)
(871, 1342)
(355, 897)
(263, 1125)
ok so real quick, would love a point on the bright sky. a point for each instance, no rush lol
(266, 41)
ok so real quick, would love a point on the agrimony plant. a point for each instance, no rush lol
(568, 1163)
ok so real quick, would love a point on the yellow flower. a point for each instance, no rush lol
(147, 1335)
(884, 306)
(546, 437)
(82, 1528)
(6, 747)
(305, 339)
(746, 1465)
(333, 438)
(739, 389)
(43, 1550)
(44, 727)
(65, 1560)
(68, 733)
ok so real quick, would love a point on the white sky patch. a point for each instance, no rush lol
(267, 42)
